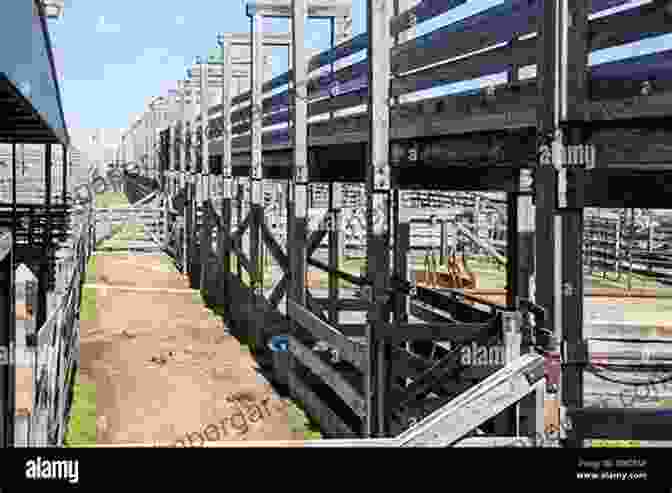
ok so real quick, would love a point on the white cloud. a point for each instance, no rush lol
(103, 27)
(179, 20)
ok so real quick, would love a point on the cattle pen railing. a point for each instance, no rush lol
(375, 378)
(45, 391)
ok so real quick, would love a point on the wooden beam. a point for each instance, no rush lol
(318, 409)
(350, 395)
(621, 424)
(350, 351)
(315, 8)
(454, 332)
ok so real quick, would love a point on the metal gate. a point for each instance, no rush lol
(140, 226)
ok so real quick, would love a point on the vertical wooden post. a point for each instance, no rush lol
(378, 203)
(548, 225)
(256, 170)
(299, 197)
(402, 244)
(572, 94)
(227, 185)
(183, 170)
(239, 219)
(204, 180)
(205, 151)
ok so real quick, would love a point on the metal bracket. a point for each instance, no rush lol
(575, 354)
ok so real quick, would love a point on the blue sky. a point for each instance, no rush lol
(113, 56)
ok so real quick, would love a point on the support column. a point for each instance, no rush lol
(205, 151)
(298, 208)
(205, 233)
(378, 203)
(256, 170)
(227, 173)
(574, 75)
(183, 170)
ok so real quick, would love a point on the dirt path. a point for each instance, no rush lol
(165, 369)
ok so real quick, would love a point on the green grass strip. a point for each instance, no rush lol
(82, 425)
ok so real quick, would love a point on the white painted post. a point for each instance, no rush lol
(226, 117)
(183, 120)
(257, 98)
(300, 120)
(205, 155)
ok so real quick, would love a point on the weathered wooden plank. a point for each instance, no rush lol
(489, 28)
(454, 332)
(427, 313)
(352, 330)
(472, 408)
(346, 304)
(350, 395)
(621, 423)
(350, 351)
(485, 63)
(315, 407)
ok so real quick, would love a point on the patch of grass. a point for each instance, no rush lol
(111, 200)
(82, 425)
(301, 423)
(87, 302)
(91, 270)
(167, 264)
(87, 307)
(615, 444)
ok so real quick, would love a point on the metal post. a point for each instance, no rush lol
(378, 203)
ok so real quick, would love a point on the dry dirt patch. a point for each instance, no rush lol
(166, 369)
